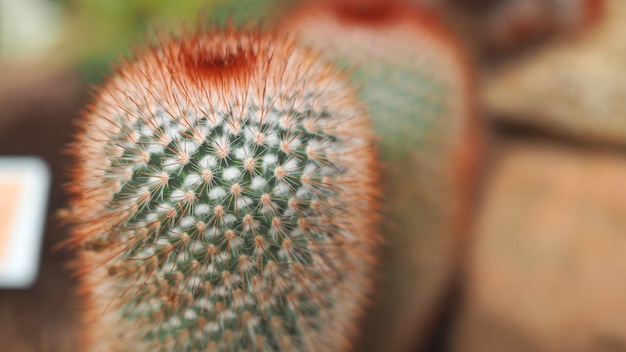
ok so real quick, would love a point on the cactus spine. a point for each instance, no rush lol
(417, 87)
(223, 199)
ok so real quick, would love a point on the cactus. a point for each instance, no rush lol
(417, 87)
(224, 199)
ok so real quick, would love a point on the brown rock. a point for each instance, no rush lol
(547, 270)
(574, 88)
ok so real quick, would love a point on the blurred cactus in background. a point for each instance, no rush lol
(417, 85)
(224, 200)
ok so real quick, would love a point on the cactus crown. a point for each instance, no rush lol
(223, 199)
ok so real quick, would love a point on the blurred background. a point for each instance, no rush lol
(544, 266)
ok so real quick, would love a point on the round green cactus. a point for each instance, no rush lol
(224, 200)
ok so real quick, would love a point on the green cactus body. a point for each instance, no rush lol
(415, 82)
(223, 200)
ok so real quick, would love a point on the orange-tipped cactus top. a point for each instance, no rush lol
(223, 199)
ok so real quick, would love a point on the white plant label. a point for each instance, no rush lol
(24, 187)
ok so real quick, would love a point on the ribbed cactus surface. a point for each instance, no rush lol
(223, 200)
(416, 85)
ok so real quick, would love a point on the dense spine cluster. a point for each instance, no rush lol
(417, 86)
(224, 200)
